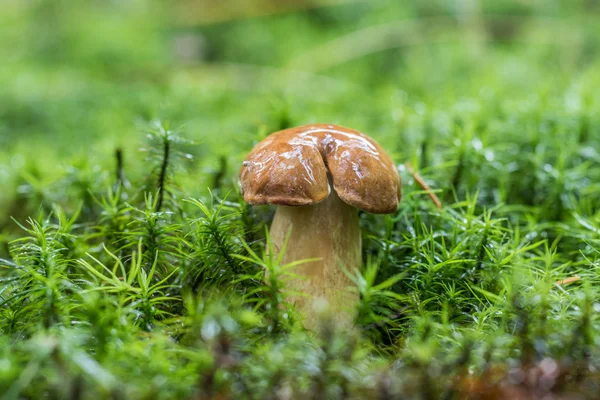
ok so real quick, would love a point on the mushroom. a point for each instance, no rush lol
(295, 169)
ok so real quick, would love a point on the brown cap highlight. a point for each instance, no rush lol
(290, 168)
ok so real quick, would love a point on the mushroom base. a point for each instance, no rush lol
(328, 230)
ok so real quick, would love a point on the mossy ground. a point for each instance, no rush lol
(130, 267)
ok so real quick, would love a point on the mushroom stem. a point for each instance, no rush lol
(330, 231)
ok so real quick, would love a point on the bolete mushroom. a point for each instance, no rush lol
(295, 169)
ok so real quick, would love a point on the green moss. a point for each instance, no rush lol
(142, 275)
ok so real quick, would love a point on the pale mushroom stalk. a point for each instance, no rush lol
(330, 231)
(319, 176)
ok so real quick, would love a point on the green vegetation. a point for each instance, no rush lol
(131, 268)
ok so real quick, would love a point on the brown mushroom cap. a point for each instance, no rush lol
(290, 168)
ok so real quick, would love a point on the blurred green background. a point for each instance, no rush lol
(82, 78)
(494, 102)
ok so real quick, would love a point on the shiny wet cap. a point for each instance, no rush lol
(291, 167)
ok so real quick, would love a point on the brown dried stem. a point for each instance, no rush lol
(423, 185)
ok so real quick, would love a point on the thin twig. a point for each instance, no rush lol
(163, 173)
(119, 157)
(567, 281)
(119, 173)
(423, 185)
